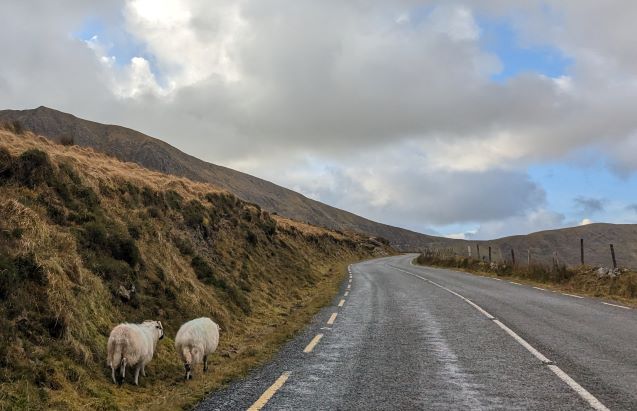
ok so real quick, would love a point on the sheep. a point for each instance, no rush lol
(133, 345)
(195, 341)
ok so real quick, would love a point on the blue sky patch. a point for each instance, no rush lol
(501, 39)
(119, 43)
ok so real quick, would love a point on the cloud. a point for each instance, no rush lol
(387, 109)
(534, 220)
(400, 187)
(586, 221)
(589, 205)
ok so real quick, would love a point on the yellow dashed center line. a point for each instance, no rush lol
(313, 343)
(265, 397)
(332, 319)
(340, 304)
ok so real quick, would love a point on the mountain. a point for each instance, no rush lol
(133, 146)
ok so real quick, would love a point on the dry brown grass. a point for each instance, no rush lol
(97, 166)
(265, 277)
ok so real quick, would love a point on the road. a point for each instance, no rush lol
(410, 337)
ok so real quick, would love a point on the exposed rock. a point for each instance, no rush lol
(125, 294)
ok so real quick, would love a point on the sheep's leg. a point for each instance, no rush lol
(144, 370)
(205, 363)
(137, 369)
(113, 374)
(123, 370)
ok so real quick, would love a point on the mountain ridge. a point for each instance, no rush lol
(129, 145)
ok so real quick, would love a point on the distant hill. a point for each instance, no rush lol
(133, 146)
(566, 242)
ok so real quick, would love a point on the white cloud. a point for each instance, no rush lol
(395, 105)
(534, 220)
(586, 221)
(455, 21)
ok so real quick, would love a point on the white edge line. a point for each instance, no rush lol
(581, 391)
(617, 305)
(513, 282)
(523, 343)
(539, 288)
(573, 295)
(332, 319)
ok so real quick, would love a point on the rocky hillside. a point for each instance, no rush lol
(130, 145)
(87, 242)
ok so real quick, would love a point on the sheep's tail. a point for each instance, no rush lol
(186, 354)
(117, 360)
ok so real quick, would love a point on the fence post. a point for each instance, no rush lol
(469, 250)
(489, 254)
(513, 257)
(581, 250)
(612, 253)
(528, 257)
(478, 251)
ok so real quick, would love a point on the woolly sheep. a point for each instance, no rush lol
(133, 345)
(195, 341)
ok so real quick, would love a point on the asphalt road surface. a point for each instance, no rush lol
(409, 337)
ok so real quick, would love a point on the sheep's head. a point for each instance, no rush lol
(157, 325)
(160, 328)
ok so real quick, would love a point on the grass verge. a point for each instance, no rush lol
(87, 242)
(582, 280)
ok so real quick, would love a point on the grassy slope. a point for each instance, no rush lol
(133, 146)
(581, 280)
(76, 226)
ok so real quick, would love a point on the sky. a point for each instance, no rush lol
(470, 119)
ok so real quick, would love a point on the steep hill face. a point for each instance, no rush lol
(87, 242)
(130, 145)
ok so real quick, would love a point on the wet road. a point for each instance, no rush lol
(408, 337)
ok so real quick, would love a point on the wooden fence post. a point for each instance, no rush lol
(612, 253)
(581, 250)
(489, 254)
(478, 251)
(528, 257)
(513, 257)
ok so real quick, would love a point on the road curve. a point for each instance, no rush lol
(409, 337)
